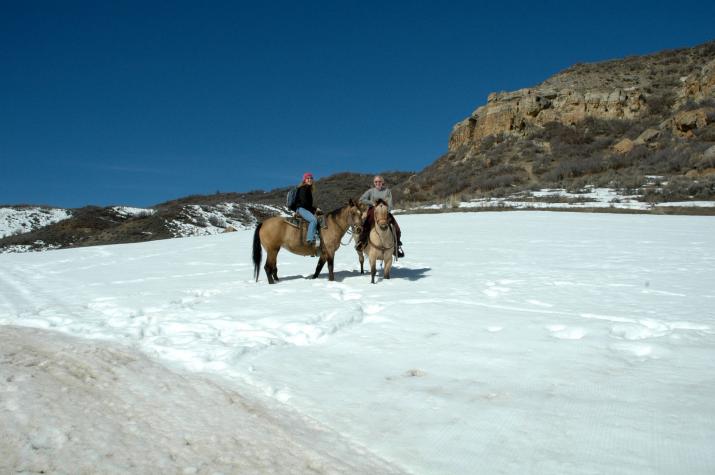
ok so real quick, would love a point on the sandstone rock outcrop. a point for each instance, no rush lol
(648, 135)
(699, 85)
(611, 123)
(624, 146)
(512, 113)
(684, 123)
(619, 89)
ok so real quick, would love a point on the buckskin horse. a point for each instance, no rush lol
(276, 232)
(381, 242)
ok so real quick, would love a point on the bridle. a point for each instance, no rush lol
(382, 247)
(353, 228)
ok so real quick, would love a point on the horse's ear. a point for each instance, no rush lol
(351, 202)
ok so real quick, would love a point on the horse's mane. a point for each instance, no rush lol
(335, 212)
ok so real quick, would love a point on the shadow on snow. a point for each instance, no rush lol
(340, 276)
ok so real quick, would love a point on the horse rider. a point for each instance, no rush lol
(305, 208)
(370, 197)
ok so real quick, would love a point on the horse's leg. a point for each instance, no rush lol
(269, 273)
(388, 265)
(319, 267)
(373, 267)
(270, 267)
(331, 275)
(361, 257)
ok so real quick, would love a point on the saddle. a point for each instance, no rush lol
(297, 221)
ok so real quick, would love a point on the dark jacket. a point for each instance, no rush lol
(304, 198)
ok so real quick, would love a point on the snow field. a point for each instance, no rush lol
(584, 343)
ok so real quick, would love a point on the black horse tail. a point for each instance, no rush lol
(257, 252)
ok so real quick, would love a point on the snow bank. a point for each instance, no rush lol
(77, 406)
(23, 220)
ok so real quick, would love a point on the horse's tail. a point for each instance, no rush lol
(257, 252)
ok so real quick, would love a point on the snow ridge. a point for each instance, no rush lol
(17, 220)
(207, 220)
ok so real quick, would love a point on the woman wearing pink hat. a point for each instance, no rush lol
(304, 205)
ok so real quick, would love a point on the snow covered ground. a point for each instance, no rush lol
(559, 198)
(522, 342)
(22, 220)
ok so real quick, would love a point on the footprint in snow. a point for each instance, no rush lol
(563, 332)
(494, 291)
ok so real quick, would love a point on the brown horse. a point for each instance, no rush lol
(381, 242)
(275, 232)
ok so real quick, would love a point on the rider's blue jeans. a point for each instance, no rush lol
(312, 223)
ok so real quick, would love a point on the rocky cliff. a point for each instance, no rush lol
(637, 87)
(613, 123)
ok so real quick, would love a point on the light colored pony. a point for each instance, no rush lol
(381, 242)
(276, 232)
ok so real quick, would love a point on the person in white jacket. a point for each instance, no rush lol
(378, 192)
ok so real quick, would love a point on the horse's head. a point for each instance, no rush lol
(354, 215)
(382, 217)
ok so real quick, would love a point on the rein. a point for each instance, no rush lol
(349, 234)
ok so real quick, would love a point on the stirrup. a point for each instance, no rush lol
(400, 252)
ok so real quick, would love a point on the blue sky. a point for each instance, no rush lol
(136, 103)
